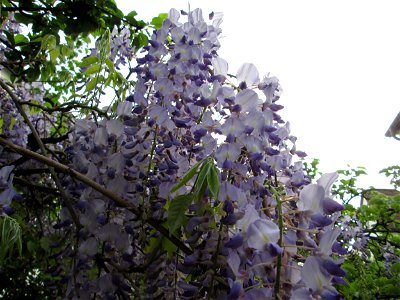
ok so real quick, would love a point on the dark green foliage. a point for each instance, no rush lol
(52, 53)
(373, 270)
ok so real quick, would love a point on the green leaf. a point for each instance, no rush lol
(88, 61)
(104, 45)
(157, 21)
(169, 246)
(93, 69)
(10, 36)
(20, 39)
(93, 82)
(176, 211)
(185, 178)
(108, 80)
(140, 41)
(10, 235)
(201, 181)
(54, 53)
(213, 181)
(110, 65)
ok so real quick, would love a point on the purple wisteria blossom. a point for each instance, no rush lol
(215, 204)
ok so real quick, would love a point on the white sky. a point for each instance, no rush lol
(337, 61)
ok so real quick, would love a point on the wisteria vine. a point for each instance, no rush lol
(191, 191)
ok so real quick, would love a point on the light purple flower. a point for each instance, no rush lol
(220, 66)
(314, 276)
(248, 100)
(227, 152)
(261, 233)
(248, 73)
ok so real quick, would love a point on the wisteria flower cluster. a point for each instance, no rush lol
(207, 200)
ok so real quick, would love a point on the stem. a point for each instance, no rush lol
(215, 260)
(153, 147)
(280, 242)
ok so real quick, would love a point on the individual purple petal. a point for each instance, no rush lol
(274, 249)
(234, 263)
(229, 152)
(88, 247)
(248, 100)
(235, 242)
(268, 86)
(187, 287)
(333, 268)
(326, 181)
(220, 66)
(330, 294)
(319, 220)
(234, 126)
(327, 240)
(235, 291)
(330, 206)
(6, 197)
(301, 154)
(115, 127)
(338, 280)
(229, 219)
(262, 232)
(248, 73)
(337, 248)
(250, 216)
(310, 198)
(6, 176)
(124, 108)
(313, 276)
(174, 16)
(275, 162)
(227, 164)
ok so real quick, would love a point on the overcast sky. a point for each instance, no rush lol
(337, 61)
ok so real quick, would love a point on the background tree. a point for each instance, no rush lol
(370, 234)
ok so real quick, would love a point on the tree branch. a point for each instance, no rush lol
(43, 150)
(79, 176)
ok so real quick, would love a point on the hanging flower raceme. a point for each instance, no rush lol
(215, 205)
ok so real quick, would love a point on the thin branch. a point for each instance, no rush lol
(79, 176)
(43, 149)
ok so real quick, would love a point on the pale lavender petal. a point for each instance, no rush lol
(115, 127)
(249, 217)
(327, 240)
(310, 198)
(101, 137)
(248, 73)
(174, 16)
(327, 180)
(234, 262)
(247, 99)
(220, 66)
(124, 108)
(312, 275)
(262, 232)
(89, 247)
